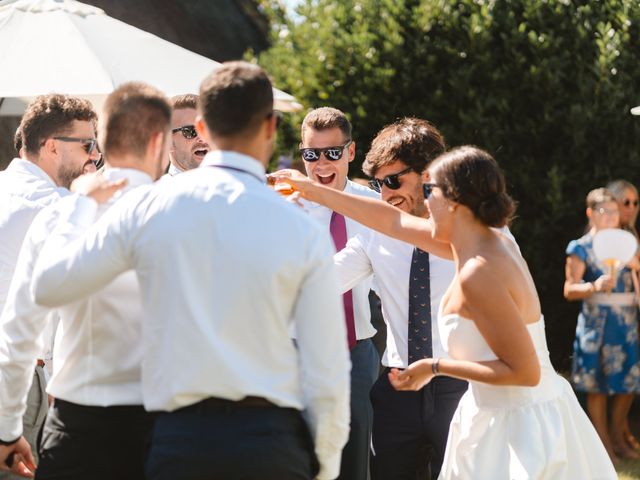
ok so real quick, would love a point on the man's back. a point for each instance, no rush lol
(226, 267)
(242, 259)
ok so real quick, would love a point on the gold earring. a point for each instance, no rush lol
(450, 208)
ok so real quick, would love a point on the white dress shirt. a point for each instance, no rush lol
(226, 266)
(360, 290)
(25, 189)
(389, 260)
(98, 351)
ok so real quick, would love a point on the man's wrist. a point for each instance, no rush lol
(8, 443)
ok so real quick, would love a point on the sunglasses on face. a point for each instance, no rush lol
(87, 143)
(606, 211)
(330, 153)
(391, 181)
(628, 202)
(427, 188)
(188, 131)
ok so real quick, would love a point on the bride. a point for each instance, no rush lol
(518, 419)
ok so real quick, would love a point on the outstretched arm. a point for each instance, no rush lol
(375, 214)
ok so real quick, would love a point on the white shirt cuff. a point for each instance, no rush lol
(10, 428)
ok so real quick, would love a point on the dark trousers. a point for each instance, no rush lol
(94, 443)
(224, 440)
(364, 371)
(410, 428)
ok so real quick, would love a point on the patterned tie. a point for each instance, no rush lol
(419, 339)
(338, 229)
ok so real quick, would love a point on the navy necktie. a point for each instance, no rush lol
(419, 338)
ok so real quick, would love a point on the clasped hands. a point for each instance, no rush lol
(414, 377)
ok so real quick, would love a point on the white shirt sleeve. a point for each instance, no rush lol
(73, 266)
(324, 359)
(352, 264)
(22, 324)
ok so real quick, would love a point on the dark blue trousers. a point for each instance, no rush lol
(365, 363)
(410, 428)
(231, 441)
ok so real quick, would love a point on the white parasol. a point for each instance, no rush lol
(65, 46)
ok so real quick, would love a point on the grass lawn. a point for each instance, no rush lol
(629, 470)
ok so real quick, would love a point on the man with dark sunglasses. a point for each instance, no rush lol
(326, 149)
(187, 147)
(409, 428)
(39, 177)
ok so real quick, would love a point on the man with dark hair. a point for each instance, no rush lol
(97, 360)
(58, 139)
(409, 428)
(327, 148)
(187, 147)
(219, 363)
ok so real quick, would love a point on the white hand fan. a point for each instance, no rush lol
(614, 247)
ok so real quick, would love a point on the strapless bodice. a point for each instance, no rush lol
(463, 341)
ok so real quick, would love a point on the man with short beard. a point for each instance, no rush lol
(96, 427)
(187, 147)
(58, 144)
(409, 428)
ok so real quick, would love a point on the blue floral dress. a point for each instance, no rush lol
(606, 353)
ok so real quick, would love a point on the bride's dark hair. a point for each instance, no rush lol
(471, 177)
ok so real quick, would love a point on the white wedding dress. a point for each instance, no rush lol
(512, 433)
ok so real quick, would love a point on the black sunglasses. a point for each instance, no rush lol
(390, 181)
(427, 188)
(330, 153)
(87, 143)
(628, 202)
(188, 131)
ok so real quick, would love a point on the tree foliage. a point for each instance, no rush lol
(545, 86)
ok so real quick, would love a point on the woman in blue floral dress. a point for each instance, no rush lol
(606, 351)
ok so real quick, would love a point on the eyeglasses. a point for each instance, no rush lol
(427, 188)
(87, 143)
(188, 131)
(628, 202)
(390, 181)
(330, 153)
(606, 211)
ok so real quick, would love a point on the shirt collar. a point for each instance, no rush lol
(27, 166)
(173, 170)
(134, 177)
(226, 158)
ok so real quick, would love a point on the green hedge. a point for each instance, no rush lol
(545, 86)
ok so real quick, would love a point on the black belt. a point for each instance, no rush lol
(246, 402)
